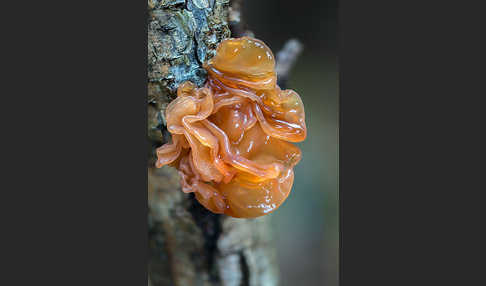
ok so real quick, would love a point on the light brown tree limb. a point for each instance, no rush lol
(188, 245)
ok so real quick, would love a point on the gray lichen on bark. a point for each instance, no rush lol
(188, 245)
(183, 35)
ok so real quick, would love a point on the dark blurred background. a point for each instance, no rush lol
(306, 225)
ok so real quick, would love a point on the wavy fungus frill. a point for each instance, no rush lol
(230, 138)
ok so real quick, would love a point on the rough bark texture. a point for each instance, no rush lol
(189, 245)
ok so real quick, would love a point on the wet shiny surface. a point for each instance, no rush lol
(230, 138)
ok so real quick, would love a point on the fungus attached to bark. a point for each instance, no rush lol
(231, 138)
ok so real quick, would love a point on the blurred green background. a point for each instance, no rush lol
(307, 224)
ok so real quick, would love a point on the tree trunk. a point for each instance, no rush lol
(189, 245)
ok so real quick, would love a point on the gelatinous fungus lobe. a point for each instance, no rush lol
(231, 139)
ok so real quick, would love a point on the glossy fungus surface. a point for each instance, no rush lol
(231, 139)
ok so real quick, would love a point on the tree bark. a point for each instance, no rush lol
(189, 245)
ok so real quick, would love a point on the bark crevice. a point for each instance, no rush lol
(210, 225)
(245, 270)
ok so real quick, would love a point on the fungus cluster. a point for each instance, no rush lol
(231, 139)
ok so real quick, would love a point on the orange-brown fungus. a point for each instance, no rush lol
(230, 138)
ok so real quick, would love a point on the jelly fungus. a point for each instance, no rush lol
(231, 139)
